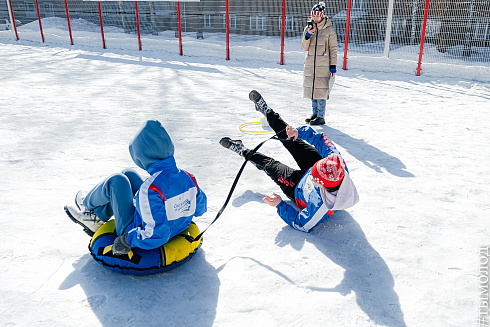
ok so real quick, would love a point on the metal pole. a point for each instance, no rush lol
(12, 19)
(347, 23)
(68, 19)
(422, 38)
(180, 29)
(282, 30)
(389, 21)
(138, 24)
(101, 26)
(227, 30)
(40, 25)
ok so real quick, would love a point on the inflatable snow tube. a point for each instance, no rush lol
(171, 255)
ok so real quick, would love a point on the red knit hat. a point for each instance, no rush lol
(329, 171)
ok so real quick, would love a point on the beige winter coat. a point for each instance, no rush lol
(322, 52)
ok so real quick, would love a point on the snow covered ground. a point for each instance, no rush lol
(406, 255)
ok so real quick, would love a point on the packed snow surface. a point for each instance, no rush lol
(406, 255)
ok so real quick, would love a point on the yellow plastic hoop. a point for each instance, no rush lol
(253, 132)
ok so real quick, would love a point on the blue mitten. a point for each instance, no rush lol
(333, 69)
(121, 245)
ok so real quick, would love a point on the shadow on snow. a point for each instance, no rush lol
(342, 241)
(180, 297)
(369, 155)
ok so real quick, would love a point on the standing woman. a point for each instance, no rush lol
(320, 42)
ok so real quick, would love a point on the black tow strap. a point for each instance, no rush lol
(250, 154)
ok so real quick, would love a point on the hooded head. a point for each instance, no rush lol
(329, 171)
(151, 144)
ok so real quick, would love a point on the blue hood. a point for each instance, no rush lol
(151, 144)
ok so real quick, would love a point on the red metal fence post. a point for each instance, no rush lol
(227, 30)
(422, 38)
(138, 24)
(282, 30)
(13, 20)
(68, 20)
(101, 26)
(39, 17)
(347, 25)
(180, 29)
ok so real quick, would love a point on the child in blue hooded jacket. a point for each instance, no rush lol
(320, 187)
(147, 213)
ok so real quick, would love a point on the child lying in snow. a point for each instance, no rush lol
(321, 186)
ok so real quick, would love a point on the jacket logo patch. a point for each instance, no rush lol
(309, 185)
(183, 206)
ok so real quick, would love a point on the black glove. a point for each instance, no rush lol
(121, 245)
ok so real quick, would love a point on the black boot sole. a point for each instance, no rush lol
(307, 120)
(254, 96)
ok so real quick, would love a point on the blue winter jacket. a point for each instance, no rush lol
(168, 200)
(309, 197)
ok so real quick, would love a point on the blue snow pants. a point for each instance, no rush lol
(319, 106)
(114, 197)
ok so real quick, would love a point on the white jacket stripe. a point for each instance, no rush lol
(322, 211)
(145, 209)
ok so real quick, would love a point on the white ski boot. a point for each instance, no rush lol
(86, 218)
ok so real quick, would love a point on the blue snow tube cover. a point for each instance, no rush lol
(171, 255)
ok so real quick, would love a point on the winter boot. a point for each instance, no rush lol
(307, 120)
(259, 101)
(87, 219)
(79, 200)
(317, 121)
(234, 145)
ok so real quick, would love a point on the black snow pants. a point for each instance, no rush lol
(303, 153)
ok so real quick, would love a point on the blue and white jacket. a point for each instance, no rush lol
(168, 200)
(317, 204)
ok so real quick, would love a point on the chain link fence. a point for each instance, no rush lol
(452, 31)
